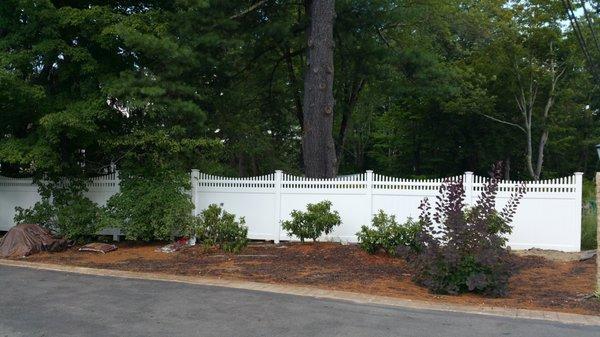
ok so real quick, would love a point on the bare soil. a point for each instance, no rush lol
(555, 255)
(538, 283)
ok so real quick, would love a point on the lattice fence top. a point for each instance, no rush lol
(370, 180)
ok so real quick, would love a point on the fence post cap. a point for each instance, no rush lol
(578, 173)
(369, 171)
(278, 171)
(469, 172)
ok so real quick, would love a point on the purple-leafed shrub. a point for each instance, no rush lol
(464, 248)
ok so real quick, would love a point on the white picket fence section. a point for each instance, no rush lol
(548, 217)
(22, 192)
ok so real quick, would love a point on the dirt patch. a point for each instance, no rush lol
(538, 283)
(553, 255)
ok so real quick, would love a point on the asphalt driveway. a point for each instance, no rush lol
(47, 303)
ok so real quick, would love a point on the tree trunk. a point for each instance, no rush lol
(317, 141)
(507, 169)
(294, 85)
(346, 115)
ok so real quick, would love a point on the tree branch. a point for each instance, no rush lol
(250, 9)
(503, 122)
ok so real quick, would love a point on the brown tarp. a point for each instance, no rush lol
(26, 239)
(98, 247)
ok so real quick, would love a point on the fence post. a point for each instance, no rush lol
(195, 175)
(578, 206)
(469, 188)
(277, 217)
(370, 193)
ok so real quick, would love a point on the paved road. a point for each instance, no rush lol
(46, 303)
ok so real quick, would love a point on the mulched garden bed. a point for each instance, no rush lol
(538, 283)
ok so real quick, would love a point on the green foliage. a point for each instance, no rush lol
(87, 86)
(217, 85)
(588, 229)
(214, 226)
(588, 216)
(79, 220)
(387, 234)
(64, 211)
(150, 207)
(42, 213)
(316, 221)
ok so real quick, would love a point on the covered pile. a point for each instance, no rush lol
(26, 239)
(98, 247)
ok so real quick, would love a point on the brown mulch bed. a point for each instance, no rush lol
(538, 283)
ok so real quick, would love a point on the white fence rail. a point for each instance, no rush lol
(548, 217)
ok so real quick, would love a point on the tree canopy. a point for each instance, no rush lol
(426, 88)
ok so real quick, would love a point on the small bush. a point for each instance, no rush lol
(464, 249)
(588, 216)
(218, 227)
(316, 221)
(65, 212)
(79, 220)
(588, 229)
(42, 213)
(387, 234)
(151, 207)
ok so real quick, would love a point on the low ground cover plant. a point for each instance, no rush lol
(464, 249)
(217, 227)
(318, 219)
(385, 233)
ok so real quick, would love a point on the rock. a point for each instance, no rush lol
(173, 247)
(586, 255)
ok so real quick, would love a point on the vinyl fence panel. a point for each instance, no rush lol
(15, 192)
(548, 217)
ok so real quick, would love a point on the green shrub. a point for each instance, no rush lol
(79, 220)
(218, 227)
(318, 219)
(588, 216)
(151, 207)
(64, 211)
(42, 213)
(588, 227)
(387, 234)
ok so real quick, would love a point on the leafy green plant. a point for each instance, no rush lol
(64, 211)
(588, 216)
(316, 221)
(464, 249)
(153, 207)
(387, 234)
(79, 220)
(588, 228)
(42, 213)
(215, 226)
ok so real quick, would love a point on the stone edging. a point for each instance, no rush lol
(565, 318)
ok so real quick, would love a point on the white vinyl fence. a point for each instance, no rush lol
(21, 192)
(548, 217)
